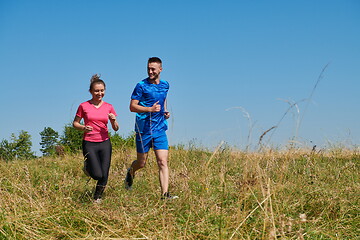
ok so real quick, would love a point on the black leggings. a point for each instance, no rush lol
(98, 157)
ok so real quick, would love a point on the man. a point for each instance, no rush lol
(148, 100)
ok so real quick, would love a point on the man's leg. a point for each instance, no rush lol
(142, 148)
(135, 165)
(162, 161)
(143, 143)
(138, 163)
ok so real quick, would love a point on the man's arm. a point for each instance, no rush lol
(135, 107)
(166, 112)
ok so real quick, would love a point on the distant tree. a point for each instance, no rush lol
(22, 145)
(18, 148)
(49, 140)
(71, 139)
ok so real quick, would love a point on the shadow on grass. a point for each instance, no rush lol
(83, 195)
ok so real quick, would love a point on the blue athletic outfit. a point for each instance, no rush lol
(150, 127)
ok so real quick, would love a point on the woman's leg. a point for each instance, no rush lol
(105, 161)
(91, 155)
(98, 157)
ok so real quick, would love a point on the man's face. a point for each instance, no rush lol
(154, 70)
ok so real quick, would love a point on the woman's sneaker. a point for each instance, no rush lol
(129, 179)
(167, 195)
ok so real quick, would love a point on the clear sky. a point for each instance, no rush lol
(223, 60)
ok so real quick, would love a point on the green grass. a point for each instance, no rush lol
(223, 195)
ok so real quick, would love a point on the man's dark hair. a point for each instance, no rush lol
(154, 59)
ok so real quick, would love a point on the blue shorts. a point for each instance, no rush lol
(157, 141)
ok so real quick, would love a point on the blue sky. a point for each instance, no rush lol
(223, 59)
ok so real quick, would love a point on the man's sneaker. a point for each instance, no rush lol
(85, 169)
(167, 195)
(128, 180)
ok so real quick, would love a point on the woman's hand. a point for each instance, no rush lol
(112, 117)
(113, 121)
(77, 125)
(87, 129)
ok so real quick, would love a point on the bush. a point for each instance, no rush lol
(6, 150)
(71, 139)
(118, 141)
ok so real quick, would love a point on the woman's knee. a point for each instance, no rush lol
(97, 177)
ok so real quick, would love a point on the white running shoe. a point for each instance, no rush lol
(167, 195)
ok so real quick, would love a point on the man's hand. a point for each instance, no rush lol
(167, 115)
(156, 107)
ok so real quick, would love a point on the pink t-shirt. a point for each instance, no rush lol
(97, 118)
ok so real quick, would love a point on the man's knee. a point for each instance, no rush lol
(162, 157)
(162, 162)
(141, 160)
(141, 164)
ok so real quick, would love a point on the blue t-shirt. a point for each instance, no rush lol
(148, 94)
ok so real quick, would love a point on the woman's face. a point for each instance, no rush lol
(97, 91)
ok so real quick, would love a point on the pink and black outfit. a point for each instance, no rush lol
(96, 145)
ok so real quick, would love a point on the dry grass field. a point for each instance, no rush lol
(295, 194)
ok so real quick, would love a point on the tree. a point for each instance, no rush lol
(22, 145)
(18, 148)
(49, 140)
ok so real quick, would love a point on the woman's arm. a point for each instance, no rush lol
(77, 125)
(114, 123)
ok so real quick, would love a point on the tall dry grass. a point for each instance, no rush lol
(295, 194)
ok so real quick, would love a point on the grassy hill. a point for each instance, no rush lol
(296, 194)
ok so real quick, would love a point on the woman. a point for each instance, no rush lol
(96, 142)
